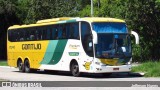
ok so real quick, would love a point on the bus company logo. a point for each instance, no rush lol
(74, 46)
(31, 46)
(73, 53)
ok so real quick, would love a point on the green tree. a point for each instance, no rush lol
(22, 10)
(7, 18)
(42, 9)
(144, 18)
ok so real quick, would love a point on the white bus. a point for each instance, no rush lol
(90, 45)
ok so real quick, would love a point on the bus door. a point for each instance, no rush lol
(86, 38)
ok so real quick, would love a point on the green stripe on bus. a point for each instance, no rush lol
(69, 21)
(49, 52)
(58, 52)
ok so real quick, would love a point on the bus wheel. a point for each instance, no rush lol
(27, 66)
(20, 66)
(75, 69)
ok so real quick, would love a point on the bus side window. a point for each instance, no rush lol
(48, 33)
(55, 31)
(32, 37)
(43, 33)
(71, 31)
(59, 32)
(32, 34)
(76, 25)
(18, 35)
(64, 36)
(37, 34)
(74, 31)
(52, 33)
(56, 34)
(40, 36)
(10, 35)
(21, 34)
(24, 34)
(14, 35)
(27, 35)
(67, 31)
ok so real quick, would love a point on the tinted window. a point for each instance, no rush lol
(86, 38)
(74, 31)
(51, 32)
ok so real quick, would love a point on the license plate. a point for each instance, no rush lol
(115, 69)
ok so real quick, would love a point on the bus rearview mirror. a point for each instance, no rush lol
(136, 36)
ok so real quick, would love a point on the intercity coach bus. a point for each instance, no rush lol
(88, 45)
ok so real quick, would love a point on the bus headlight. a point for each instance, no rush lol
(98, 63)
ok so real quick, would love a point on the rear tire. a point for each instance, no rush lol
(27, 66)
(20, 66)
(75, 69)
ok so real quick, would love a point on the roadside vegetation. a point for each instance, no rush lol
(151, 69)
(3, 63)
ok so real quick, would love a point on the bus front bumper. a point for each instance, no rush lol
(110, 69)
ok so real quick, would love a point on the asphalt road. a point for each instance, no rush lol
(13, 74)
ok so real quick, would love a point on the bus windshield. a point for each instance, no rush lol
(113, 41)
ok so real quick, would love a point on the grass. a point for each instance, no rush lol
(3, 63)
(151, 69)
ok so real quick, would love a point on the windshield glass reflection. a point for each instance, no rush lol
(113, 46)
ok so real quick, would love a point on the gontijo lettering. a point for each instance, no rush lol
(31, 46)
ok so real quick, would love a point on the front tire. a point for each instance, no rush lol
(75, 69)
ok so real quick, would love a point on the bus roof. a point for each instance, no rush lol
(65, 20)
(102, 19)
